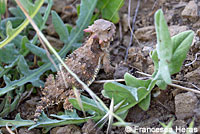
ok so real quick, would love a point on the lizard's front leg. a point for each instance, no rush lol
(108, 68)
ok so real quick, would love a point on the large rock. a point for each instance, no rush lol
(185, 104)
(190, 11)
(148, 33)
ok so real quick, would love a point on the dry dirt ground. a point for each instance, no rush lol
(172, 103)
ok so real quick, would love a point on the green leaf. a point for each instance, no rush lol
(32, 76)
(8, 67)
(164, 72)
(86, 11)
(191, 129)
(181, 46)
(134, 82)
(123, 114)
(168, 127)
(38, 51)
(154, 56)
(88, 105)
(17, 12)
(120, 124)
(12, 33)
(8, 54)
(161, 84)
(2, 7)
(121, 92)
(109, 9)
(145, 103)
(18, 122)
(48, 123)
(164, 43)
(164, 46)
(60, 27)
(24, 40)
(11, 106)
(16, 21)
(24, 69)
(66, 115)
(142, 93)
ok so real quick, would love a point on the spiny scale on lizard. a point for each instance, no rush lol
(85, 62)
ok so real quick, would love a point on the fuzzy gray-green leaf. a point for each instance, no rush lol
(86, 11)
(18, 122)
(60, 27)
(88, 105)
(121, 92)
(164, 46)
(8, 54)
(145, 103)
(181, 45)
(109, 9)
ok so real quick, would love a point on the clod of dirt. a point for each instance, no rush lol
(89, 128)
(190, 11)
(145, 33)
(26, 131)
(50, 30)
(69, 11)
(126, 40)
(136, 57)
(185, 103)
(27, 109)
(69, 129)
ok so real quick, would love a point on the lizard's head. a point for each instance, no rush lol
(102, 30)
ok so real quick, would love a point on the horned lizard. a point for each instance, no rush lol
(85, 62)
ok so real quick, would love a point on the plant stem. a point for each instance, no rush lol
(174, 85)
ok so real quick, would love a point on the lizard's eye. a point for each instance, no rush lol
(109, 29)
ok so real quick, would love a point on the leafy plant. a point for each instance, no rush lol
(167, 57)
(109, 9)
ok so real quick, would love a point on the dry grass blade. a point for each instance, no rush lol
(196, 56)
(9, 130)
(104, 81)
(110, 120)
(37, 31)
(133, 28)
(174, 85)
(78, 98)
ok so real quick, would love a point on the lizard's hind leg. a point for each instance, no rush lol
(44, 103)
